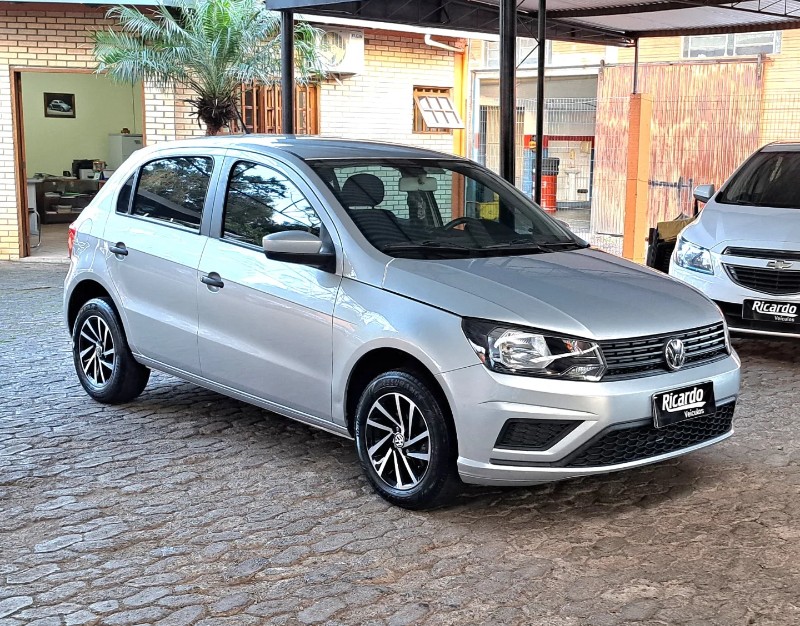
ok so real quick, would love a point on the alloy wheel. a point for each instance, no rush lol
(398, 441)
(96, 350)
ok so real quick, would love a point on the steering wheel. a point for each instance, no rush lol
(464, 219)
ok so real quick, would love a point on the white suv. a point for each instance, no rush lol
(743, 251)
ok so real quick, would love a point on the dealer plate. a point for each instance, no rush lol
(770, 311)
(686, 403)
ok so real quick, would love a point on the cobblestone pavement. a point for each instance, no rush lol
(186, 507)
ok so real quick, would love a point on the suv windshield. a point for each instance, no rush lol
(769, 179)
(429, 208)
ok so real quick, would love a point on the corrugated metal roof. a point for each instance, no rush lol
(614, 22)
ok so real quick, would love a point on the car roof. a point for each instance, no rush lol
(312, 147)
(782, 146)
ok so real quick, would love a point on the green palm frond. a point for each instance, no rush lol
(210, 46)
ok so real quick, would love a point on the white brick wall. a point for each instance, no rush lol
(43, 38)
(378, 104)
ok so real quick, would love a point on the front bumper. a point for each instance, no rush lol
(590, 421)
(729, 298)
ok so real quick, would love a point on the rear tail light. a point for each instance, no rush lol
(71, 238)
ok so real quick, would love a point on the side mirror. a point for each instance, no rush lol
(298, 246)
(563, 224)
(704, 193)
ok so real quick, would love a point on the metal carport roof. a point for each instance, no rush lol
(611, 22)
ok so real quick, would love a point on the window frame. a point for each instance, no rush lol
(419, 123)
(729, 47)
(207, 204)
(524, 56)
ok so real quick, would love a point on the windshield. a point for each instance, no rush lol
(428, 208)
(769, 179)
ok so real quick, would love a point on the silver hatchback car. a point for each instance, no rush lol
(408, 299)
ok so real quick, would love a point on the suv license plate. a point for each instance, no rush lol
(670, 407)
(768, 311)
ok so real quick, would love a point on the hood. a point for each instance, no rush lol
(722, 225)
(583, 293)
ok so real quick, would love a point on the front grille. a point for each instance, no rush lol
(758, 253)
(765, 280)
(626, 443)
(645, 355)
(533, 434)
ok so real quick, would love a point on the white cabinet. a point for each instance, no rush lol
(120, 147)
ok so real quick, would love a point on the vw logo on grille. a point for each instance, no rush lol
(780, 264)
(675, 354)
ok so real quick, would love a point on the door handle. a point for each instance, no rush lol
(212, 280)
(119, 249)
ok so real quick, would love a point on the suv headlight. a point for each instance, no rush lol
(513, 350)
(690, 256)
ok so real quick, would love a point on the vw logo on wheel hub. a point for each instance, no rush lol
(399, 440)
(675, 354)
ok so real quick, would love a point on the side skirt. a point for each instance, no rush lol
(298, 416)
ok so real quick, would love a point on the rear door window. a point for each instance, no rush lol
(769, 179)
(173, 190)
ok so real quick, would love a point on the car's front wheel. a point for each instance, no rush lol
(103, 360)
(404, 442)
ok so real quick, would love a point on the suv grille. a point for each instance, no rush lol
(765, 280)
(533, 434)
(626, 443)
(645, 355)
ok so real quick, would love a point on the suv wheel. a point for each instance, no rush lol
(103, 360)
(404, 443)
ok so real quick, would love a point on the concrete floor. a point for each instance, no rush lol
(53, 246)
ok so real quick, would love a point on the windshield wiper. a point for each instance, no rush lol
(528, 247)
(555, 244)
(427, 246)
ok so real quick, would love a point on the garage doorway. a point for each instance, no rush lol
(72, 129)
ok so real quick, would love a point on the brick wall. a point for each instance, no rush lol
(57, 37)
(378, 103)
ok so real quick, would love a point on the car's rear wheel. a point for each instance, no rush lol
(103, 360)
(404, 442)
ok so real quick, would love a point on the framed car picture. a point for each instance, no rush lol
(59, 105)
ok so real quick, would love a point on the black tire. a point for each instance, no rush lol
(97, 335)
(420, 485)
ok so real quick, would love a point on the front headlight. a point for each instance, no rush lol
(511, 350)
(690, 256)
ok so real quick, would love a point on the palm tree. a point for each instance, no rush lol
(210, 46)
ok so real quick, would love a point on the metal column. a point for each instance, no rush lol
(636, 67)
(287, 72)
(508, 89)
(541, 45)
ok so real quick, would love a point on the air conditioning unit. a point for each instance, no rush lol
(343, 50)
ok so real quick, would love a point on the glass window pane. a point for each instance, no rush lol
(124, 197)
(174, 190)
(261, 201)
(754, 43)
(769, 179)
(411, 203)
(706, 46)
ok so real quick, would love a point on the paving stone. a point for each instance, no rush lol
(184, 507)
(9, 606)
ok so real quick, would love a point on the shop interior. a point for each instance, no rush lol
(77, 128)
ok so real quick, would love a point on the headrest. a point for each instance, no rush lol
(362, 190)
